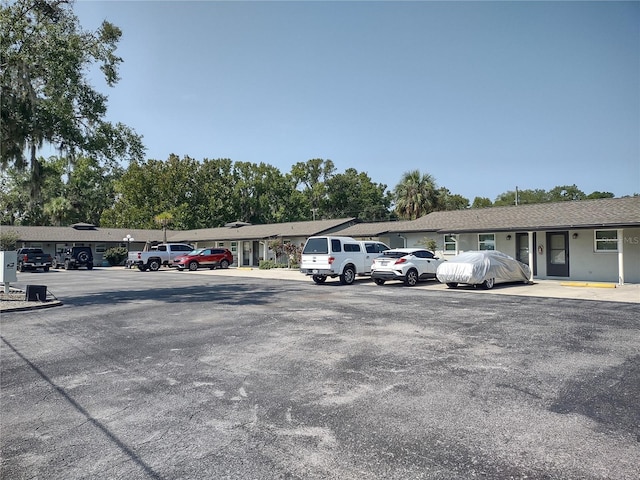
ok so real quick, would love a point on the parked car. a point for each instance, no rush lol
(204, 257)
(74, 258)
(482, 268)
(32, 259)
(334, 256)
(409, 265)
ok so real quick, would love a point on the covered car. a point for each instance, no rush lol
(484, 267)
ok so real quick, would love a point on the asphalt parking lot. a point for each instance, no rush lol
(171, 375)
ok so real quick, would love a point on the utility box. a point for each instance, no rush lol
(9, 268)
(36, 293)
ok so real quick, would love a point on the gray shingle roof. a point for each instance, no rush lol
(609, 212)
(70, 234)
(373, 229)
(259, 232)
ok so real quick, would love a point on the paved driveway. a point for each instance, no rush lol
(172, 375)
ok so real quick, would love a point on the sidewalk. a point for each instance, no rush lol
(604, 292)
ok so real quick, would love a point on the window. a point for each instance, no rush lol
(351, 247)
(220, 244)
(486, 241)
(234, 247)
(100, 247)
(606, 241)
(450, 243)
(375, 247)
(336, 246)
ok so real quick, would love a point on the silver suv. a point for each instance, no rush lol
(334, 256)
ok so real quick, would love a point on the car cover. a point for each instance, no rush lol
(477, 266)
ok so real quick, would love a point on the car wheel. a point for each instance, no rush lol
(348, 276)
(319, 279)
(193, 266)
(154, 265)
(379, 281)
(411, 278)
(489, 283)
(83, 257)
(224, 264)
(452, 284)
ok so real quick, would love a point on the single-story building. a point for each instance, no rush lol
(248, 243)
(587, 240)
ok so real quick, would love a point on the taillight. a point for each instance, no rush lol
(139, 255)
(401, 260)
(24, 259)
(331, 260)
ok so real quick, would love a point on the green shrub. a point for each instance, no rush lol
(266, 264)
(115, 255)
(8, 241)
(269, 264)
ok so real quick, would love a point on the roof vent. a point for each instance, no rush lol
(83, 226)
(237, 224)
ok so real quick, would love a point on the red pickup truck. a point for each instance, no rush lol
(204, 257)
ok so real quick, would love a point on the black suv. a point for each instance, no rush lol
(74, 257)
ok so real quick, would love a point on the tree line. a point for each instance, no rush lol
(189, 194)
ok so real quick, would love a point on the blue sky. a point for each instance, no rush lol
(484, 96)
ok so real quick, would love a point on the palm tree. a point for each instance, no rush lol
(415, 195)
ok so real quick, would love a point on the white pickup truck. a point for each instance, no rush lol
(334, 256)
(162, 254)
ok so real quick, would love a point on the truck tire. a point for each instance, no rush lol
(154, 264)
(142, 268)
(348, 275)
(54, 263)
(193, 266)
(83, 257)
(90, 266)
(21, 267)
(46, 269)
(319, 279)
(411, 278)
(67, 265)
